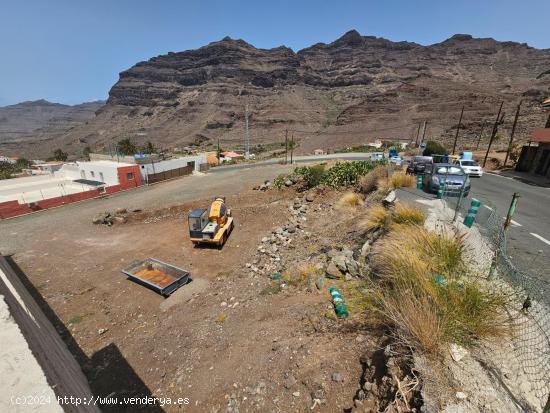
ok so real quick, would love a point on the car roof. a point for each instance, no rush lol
(443, 164)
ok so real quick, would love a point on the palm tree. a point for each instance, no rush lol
(126, 147)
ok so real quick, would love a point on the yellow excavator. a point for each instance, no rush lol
(211, 225)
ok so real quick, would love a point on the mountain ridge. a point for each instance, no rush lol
(337, 94)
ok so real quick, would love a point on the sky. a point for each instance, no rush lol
(71, 51)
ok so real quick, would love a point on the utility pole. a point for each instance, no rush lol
(218, 152)
(480, 134)
(247, 137)
(424, 131)
(292, 149)
(493, 133)
(417, 134)
(286, 146)
(512, 134)
(458, 129)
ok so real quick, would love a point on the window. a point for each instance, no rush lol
(92, 174)
(101, 177)
(130, 176)
(83, 174)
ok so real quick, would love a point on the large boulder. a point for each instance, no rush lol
(333, 272)
(340, 261)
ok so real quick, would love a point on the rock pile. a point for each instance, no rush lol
(342, 265)
(120, 216)
(263, 187)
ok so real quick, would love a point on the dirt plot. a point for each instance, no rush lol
(225, 341)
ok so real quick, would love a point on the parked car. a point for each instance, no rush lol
(396, 160)
(377, 156)
(419, 164)
(451, 175)
(470, 166)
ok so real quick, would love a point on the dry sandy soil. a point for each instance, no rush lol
(222, 341)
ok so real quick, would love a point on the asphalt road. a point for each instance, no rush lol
(529, 234)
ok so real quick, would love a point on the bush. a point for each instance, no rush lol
(346, 173)
(279, 182)
(312, 175)
(434, 148)
(371, 180)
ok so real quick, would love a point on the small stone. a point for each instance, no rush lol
(290, 381)
(320, 282)
(461, 396)
(223, 304)
(296, 394)
(288, 182)
(310, 197)
(337, 377)
(458, 352)
(365, 249)
(102, 331)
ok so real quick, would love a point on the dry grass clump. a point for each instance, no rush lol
(426, 294)
(405, 213)
(301, 275)
(372, 180)
(350, 200)
(402, 180)
(377, 217)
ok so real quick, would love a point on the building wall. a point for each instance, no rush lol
(169, 164)
(129, 176)
(95, 170)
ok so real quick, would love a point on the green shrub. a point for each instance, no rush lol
(434, 148)
(312, 175)
(346, 173)
(279, 182)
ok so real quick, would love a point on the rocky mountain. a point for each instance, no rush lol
(33, 123)
(333, 95)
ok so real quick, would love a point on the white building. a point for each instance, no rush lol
(150, 168)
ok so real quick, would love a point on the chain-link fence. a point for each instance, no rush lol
(528, 308)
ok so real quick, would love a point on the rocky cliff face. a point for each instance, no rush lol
(29, 124)
(329, 95)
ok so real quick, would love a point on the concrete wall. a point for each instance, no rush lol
(169, 164)
(103, 171)
(34, 361)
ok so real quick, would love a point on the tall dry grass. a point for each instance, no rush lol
(371, 181)
(350, 200)
(402, 180)
(377, 217)
(405, 213)
(425, 292)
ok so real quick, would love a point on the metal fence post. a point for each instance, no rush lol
(460, 198)
(511, 210)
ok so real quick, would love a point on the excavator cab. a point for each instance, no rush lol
(211, 225)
